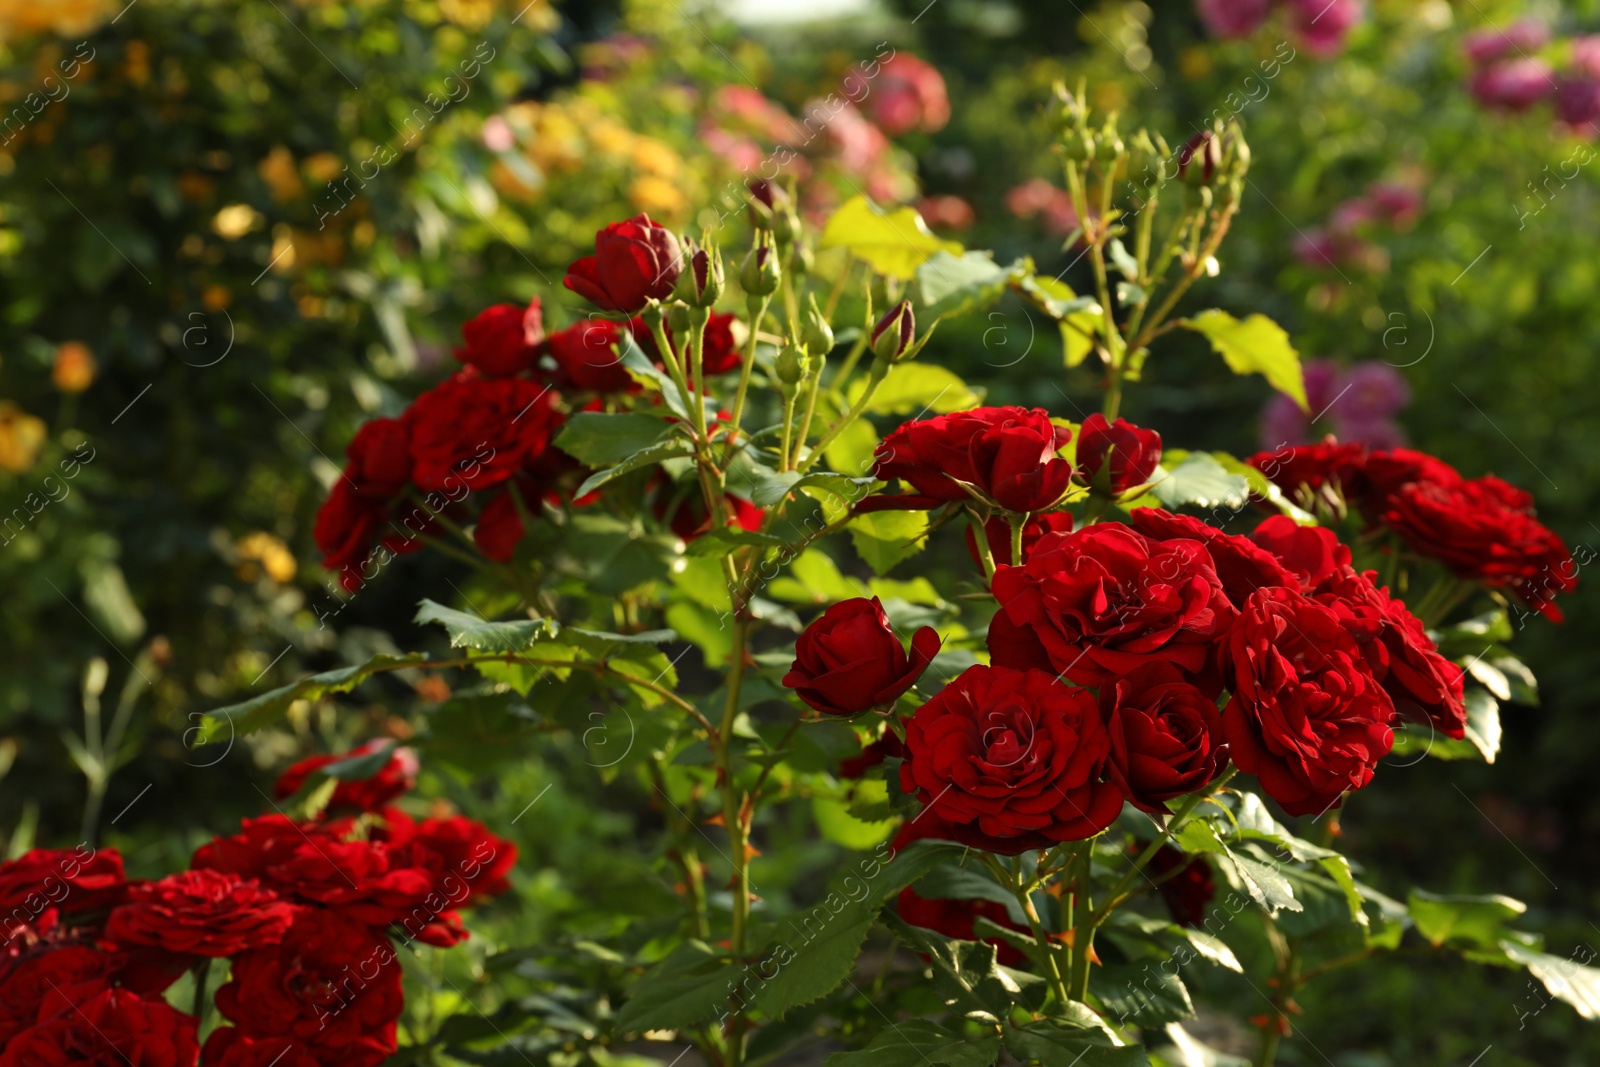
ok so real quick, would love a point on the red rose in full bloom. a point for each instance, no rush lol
(958, 919)
(1306, 716)
(1312, 553)
(997, 531)
(113, 1028)
(849, 659)
(1386, 472)
(465, 863)
(398, 775)
(228, 1047)
(477, 432)
(201, 913)
(68, 880)
(378, 458)
(260, 845)
(1006, 454)
(503, 340)
(1011, 760)
(1133, 452)
(331, 984)
(1166, 736)
(1105, 599)
(1186, 893)
(634, 262)
(1242, 566)
(47, 982)
(1313, 466)
(586, 357)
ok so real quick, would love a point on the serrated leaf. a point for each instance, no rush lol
(1185, 1051)
(1147, 996)
(893, 243)
(1255, 345)
(968, 970)
(690, 986)
(919, 1043)
(950, 285)
(1212, 948)
(1524, 687)
(466, 630)
(601, 439)
(884, 538)
(1565, 978)
(814, 968)
(917, 389)
(1052, 1044)
(1477, 920)
(650, 457)
(1264, 882)
(260, 711)
(1195, 478)
(1483, 723)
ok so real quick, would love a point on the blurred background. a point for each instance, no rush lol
(232, 231)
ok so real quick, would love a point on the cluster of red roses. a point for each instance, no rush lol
(477, 448)
(306, 913)
(1483, 529)
(1114, 642)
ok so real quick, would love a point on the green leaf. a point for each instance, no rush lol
(1086, 1044)
(690, 986)
(919, 1043)
(1185, 1051)
(967, 970)
(885, 538)
(813, 578)
(1196, 478)
(1211, 947)
(950, 285)
(917, 389)
(1147, 996)
(836, 824)
(815, 969)
(266, 709)
(600, 439)
(1264, 881)
(775, 487)
(893, 243)
(1524, 687)
(469, 631)
(1563, 976)
(1056, 298)
(1483, 723)
(1478, 920)
(1256, 345)
(355, 768)
(650, 457)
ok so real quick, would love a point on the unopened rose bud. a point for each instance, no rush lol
(700, 285)
(1199, 159)
(818, 334)
(1108, 145)
(678, 320)
(760, 274)
(792, 365)
(894, 332)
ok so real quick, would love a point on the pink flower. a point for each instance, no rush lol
(1233, 18)
(1323, 24)
(1521, 37)
(1513, 84)
(909, 94)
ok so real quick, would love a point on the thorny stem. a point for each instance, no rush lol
(1116, 895)
(1013, 880)
(1083, 926)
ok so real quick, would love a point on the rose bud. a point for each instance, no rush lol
(849, 659)
(760, 274)
(701, 284)
(818, 333)
(503, 340)
(1199, 158)
(1006, 454)
(1134, 454)
(894, 332)
(1166, 736)
(634, 262)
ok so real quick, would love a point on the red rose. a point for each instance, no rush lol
(1313, 466)
(1483, 530)
(1424, 686)
(71, 881)
(503, 340)
(1134, 453)
(360, 879)
(719, 354)
(1011, 760)
(227, 1047)
(586, 357)
(471, 433)
(1387, 472)
(1006, 454)
(850, 659)
(1306, 716)
(997, 531)
(959, 918)
(1242, 566)
(1166, 736)
(260, 845)
(499, 528)
(113, 1028)
(396, 776)
(1312, 553)
(331, 984)
(48, 983)
(379, 455)
(634, 262)
(465, 863)
(1104, 600)
(1186, 893)
(201, 913)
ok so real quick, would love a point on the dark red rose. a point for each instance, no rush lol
(1424, 686)
(683, 509)
(503, 340)
(379, 455)
(113, 1028)
(227, 1047)
(958, 918)
(396, 776)
(331, 984)
(1313, 466)
(71, 881)
(997, 531)
(499, 528)
(360, 879)
(1242, 566)
(1306, 716)
(1106, 599)
(850, 659)
(586, 357)
(201, 913)
(466, 865)
(1134, 453)
(48, 982)
(1312, 553)
(719, 353)
(1388, 471)
(347, 529)
(1006, 454)
(634, 262)
(260, 845)
(1482, 530)
(1166, 736)
(469, 433)
(872, 756)
(1186, 893)
(1011, 760)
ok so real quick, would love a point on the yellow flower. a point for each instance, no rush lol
(272, 554)
(21, 436)
(655, 158)
(656, 198)
(74, 367)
